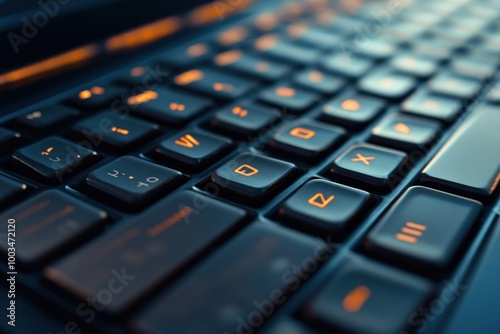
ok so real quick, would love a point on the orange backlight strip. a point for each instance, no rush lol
(57, 63)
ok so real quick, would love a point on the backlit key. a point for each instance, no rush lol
(243, 120)
(387, 84)
(319, 81)
(454, 85)
(97, 97)
(274, 46)
(190, 55)
(427, 104)
(350, 66)
(423, 238)
(288, 98)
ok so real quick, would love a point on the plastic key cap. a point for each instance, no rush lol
(48, 223)
(424, 229)
(467, 163)
(148, 250)
(53, 159)
(133, 180)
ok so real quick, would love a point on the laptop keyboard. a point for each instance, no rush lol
(202, 190)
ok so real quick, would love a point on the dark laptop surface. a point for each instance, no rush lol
(243, 166)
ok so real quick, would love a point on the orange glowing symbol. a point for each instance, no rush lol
(48, 151)
(402, 128)
(138, 71)
(302, 133)
(350, 105)
(411, 232)
(316, 76)
(174, 106)
(363, 159)
(356, 299)
(285, 92)
(188, 77)
(145, 97)
(246, 170)
(239, 112)
(197, 50)
(223, 87)
(120, 131)
(187, 141)
(319, 200)
(266, 42)
(228, 57)
(88, 93)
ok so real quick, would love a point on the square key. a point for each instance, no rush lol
(371, 164)
(284, 50)
(133, 180)
(350, 66)
(325, 205)
(243, 120)
(193, 148)
(288, 98)
(319, 81)
(252, 175)
(414, 65)
(352, 110)
(98, 97)
(427, 104)
(404, 132)
(364, 296)
(43, 118)
(168, 105)
(387, 83)
(306, 138)
(189, 55)
(454, 85)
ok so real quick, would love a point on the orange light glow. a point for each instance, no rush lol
(355, 299)
(120, 131)
(188, 77)
(144, 35)
(316, 76)
(138, 71)
(302, 133)
(402, 128)
(266, 42)
(145, 97)
(363, 159)
(262, 66)
(350, 105)
(296, 30)
(240, 112)
(197, 50)
(319, 200)
(187, 141)
(228, 57)
(266, 21)
(246, 170)
(215, 11)
(232, 35)
(223, 87)
(50, 65)
(285, 92)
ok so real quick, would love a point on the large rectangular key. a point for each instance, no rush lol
(469, 162)
(122, 266)
(239, 287)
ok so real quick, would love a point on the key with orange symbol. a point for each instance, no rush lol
(97, 97)
(213, 83)
(289, 98)
(405, 132)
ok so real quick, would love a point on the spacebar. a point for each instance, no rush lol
(469, 163)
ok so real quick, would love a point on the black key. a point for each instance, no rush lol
(273, 46)
(144, 76)
(494, 94)
(98, 97)
(325, 205)
(478, 298)
(44, 118)
(374, 165)
(233, 36)
(244, 120)
(467, 162)
(193, 148)
(114, 130)
(252, 176)
(387, 84)
(227, 298)
(288, 99)
(414, 65)
(454, 85)
(146, 251)
(186, 56)
(49, 223)
(133, 180)
(312, 36)
(168, 105)
(252, 65)
(348, 65)
(307, 139)
(352, 110)
(215, 84)
(10, 189)
(427, 104)
(404, 132)
(287, 326)
(424, 229)
(319, 81)
(54, 158)
(7, 137)
(369, 298)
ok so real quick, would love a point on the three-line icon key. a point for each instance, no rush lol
(411, 232)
